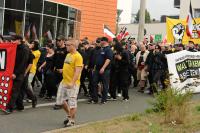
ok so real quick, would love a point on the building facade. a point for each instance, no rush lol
(51, 18)
(39, 19)
(94, 14)
(184, 7)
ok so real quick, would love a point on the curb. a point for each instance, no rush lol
(50, 104)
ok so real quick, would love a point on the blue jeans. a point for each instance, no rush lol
(105, 79)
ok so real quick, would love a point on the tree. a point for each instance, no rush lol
(147, 17)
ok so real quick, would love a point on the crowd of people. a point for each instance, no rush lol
(108, 68)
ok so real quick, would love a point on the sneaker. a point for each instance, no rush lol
(103, 103)
(69, 123)
(113, 99)
(119, 95)
(126, 100)
(57, 107)
(8, 111)
(66, 121)
(92, 102)
(28, 101)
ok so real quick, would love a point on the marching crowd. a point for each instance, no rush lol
(109, 68)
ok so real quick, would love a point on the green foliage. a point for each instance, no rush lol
(149, 111)
(154, 128)
(198, 108)
(133, 117)
(147, 16)
(173, 103)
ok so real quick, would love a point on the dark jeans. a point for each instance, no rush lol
(15, 94)
(104, 78)
(24, 90)
(124, 82)
(114, 84)
(50, 84)
(83, 77)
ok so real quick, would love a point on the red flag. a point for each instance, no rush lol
(7, 61)
(164, 41)
(108, 33)
(123, 33)
(189, 26)
(151, 38)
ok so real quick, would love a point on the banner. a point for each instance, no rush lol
(7, 63)
(176, 31)
(158, 38)
(184, 70)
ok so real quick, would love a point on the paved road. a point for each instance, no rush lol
(45, 118)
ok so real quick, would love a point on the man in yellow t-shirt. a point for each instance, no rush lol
(69, 86)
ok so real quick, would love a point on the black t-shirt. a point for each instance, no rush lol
(105, 53)
(59, 57)
(30, 59)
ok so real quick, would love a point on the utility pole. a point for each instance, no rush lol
(141, 20)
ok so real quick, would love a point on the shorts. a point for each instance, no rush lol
(69, 95)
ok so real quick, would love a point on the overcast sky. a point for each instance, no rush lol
(157, 8)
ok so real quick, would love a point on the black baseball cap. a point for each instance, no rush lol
(104, 39)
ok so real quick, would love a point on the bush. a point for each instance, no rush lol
(173, 103)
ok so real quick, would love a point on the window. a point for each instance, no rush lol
(197, 13)
(1, 3)
(62, 11)
(49, 24)
(77, 31)
(62, 27)
(32, 26)
(71, 29)
(1, 20)
(50, 8)
(15, 4)
(72, 13)
(34, 5)
(13, 22)
(177, 3)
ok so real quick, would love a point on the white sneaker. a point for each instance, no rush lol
(119, 95)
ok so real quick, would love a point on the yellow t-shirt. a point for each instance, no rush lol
(37, 54)
(71, 61)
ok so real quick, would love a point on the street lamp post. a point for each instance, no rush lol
(141, 20)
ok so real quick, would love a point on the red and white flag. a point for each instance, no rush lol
(108, 33)
(151, 38)
(189, 26)
(123, 33)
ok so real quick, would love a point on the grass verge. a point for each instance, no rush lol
(148, 122)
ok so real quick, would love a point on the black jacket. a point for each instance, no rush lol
(21, 61)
